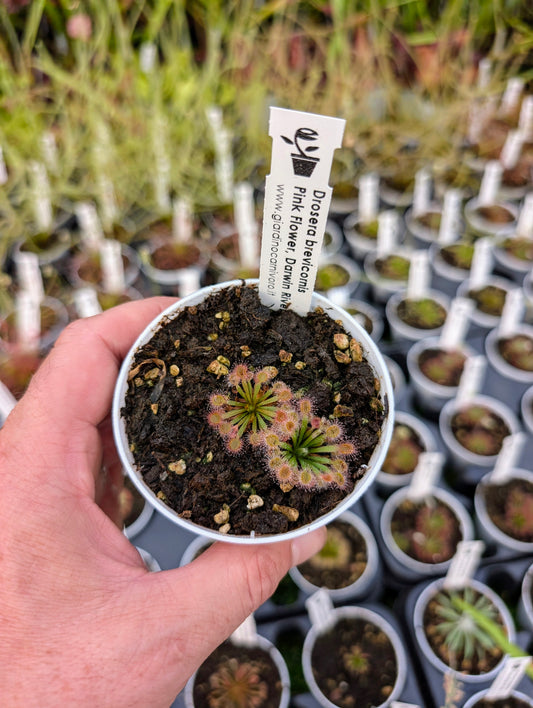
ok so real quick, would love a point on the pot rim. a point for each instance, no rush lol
(443, 269)
(419, 231)
(374, 358)
(406, 331)
(453, 444)
(471, 702)
(499, 363)
(423, 382)
(526, 408)
(371, 312)
(274, 653)
(516, 265)
(449, 500)
(377, 280)
(418, 613)
(484, 226)
(391, 481)
(173, 276)
(359, 586)
(373, 617)
(482, 319)
(484, 518)
(526, 592)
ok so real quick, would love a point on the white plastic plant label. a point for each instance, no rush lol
(90, 228)
(525, 121)
(481, 263)
(49, 152)
(42, 203)
(368, 203)
(388, 226)
(511, 95)
(401, 704)
(471, 378)
(147, 57)
(223, 155)
(181, 220)
(421, 192)
(3, 168)
(525, 219)
(297, 199)
(246, 633)
(508, 456)
(86, 302)
(425, 475)
(28, 320)
(112, 266)
(451, 217)
(419, 275)
(7, 401)
(464, 564)
(189, 281)
(320, 610)
(512, 148)
(29, 276)
(108, 202)
(490, 183)
(512, 313)
(162, 165)
(244, 210)
(457, 322)
(513, 671)
(484, 73)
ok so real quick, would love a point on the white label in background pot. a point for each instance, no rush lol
(320, 609)
(3, 168)
(49, 152)
(246, 633)
(223, 156)
(508, 456)
(388, 223)
(7, 401)
(512, 148)
(513, 671)
(147, 57)
(181, 220)
(162, 165)
(189, 281)
(244, 209)
(525, 219)
(368, 201)
(511, 95)
(112, 266)
(471, 378)
(481, 263)
(401, 704)
(477, 119)
(42, 204)
(297, 199)
(512, 313)
(90, 228)
(490, 183)
(484, 73)
(451, 217)
(422, 192)
(419, 275)
(525, 122)
(29, 276)
(86, 302)
(425, 475)
(464, 564)
(28, 320)
(457, 322)
(108, 203)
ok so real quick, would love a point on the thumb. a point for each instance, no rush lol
(208, 599)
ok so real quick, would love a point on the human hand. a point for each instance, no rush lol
(82, 622)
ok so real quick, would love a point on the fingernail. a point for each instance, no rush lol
(307, 545)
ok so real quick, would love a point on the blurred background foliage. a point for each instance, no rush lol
(111, 81)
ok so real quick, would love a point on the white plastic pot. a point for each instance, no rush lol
(340, 294)
(403, 332)
(131, 268)
(373, 315)
(510, 265)
(360, 588)
(481, 319)
(397, 376)
(353, 612)
(370, 352)
(430, 395)
(267, 646)
(477, 697)
(173, 278)
(394, 198)
(485, 227)
(526, 409)
(423, 236)
(506, 382)
(487, 529)
(403, 564)
(418, 616)
(446, 277)
(360, 244)
(336, 240)
(389, 482)
(525, 603)
(462, 457)
(383, 288)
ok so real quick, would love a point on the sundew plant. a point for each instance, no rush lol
(301, 449)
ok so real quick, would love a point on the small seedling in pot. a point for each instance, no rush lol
(425, 313)
(237, 685)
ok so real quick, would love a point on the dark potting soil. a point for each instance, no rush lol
(166, 416)
(510, 702)
(404, 450)
(517, 351)
(479, 429)
(442, 366)
(458, 255)
(237, 676)
(510, 507)
(8, 328)
(173, 256)
(341, 561)
(393, 267)
(427, 530)
(489, 299)
(354, 664)
(431, 220)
